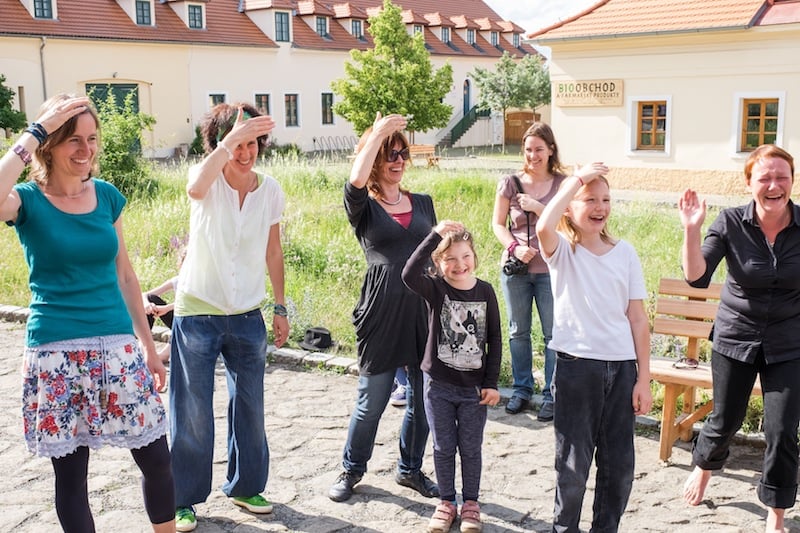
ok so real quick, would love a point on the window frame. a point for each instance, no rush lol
(321, 25)
(739, 120)
(633, 125)
(516, 40)
(43, 9)
(140, 15)
(445, 34)
(192, 10)
(291, 110)
(417, 29)
(357, 28)
(762, 118)
(261, 109)
(654, 130)
(327, 109)
(470, 36)
(216, 98)
(494, 38)
(282, 30)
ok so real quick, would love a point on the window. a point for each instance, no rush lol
(290, 107)
(357, 29)
(494, 38)
(282, 27)
(470, 36)
(651, 125)
(143, 13)
(759, 122)
(417, 28)
(214, 99)
(43, 9)
(327, 108)
(445, 35)
(322, 26)
(196, 17)
(516, 40)
(262, 103)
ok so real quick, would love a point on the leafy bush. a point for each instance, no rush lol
(121, 161)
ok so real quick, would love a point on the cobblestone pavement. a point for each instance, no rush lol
(307, 416)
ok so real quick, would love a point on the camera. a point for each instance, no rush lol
(514, 266)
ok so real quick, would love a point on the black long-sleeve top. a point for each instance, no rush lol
(464, 345)
(760, 302)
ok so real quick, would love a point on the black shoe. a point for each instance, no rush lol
(516, 404)
(546, 412)
(343, 488)
(419, 482)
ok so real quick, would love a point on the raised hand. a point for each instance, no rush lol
(385, 126)
(245, 130)
(590, 171)
(691, 210)
(57, 115)
(448, 226)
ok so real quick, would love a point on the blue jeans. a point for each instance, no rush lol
(457, 420)
(197, 342)
(520, 292)
(373, 396)
(593, 417)
(733, 381)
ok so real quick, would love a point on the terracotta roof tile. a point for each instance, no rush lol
(411, 17)
(436, 19)
(785, 12)
(344, 11)
(631, 17)
(105, 19)
(304, 36)
(312, 7)
(461, 22)
(487, 24)
(250, 5)
(510, 27)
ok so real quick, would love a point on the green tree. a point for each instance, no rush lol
(523, 83)
(394, 77)
(121, 160)
(10, 118)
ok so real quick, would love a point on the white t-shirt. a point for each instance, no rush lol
(591, 296)
(225, 263)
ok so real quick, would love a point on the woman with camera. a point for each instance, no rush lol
(520, 199)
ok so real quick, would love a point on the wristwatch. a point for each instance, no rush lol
(22, 153)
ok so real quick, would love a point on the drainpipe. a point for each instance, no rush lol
(41, 65)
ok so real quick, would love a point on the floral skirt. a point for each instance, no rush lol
(89, 392)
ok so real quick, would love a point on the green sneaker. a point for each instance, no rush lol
(255, 504)
(185, 519)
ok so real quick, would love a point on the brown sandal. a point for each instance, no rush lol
(471, 517)
(442, 518)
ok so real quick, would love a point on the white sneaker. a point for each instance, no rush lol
(398, 397)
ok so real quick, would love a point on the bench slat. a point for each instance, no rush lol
(679, 287)
(687, 308)
(681, 328)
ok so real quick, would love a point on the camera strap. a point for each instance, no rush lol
(527, 214)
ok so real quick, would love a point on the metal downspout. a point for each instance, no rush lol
(41, 65)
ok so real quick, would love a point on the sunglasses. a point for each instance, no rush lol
(392, 156)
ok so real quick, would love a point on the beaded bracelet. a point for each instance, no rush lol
(38, 132)
(279, 310)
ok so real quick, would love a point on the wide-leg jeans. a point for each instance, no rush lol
(593, 417)
(197, 342)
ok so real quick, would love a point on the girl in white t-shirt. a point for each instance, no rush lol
(601, 338)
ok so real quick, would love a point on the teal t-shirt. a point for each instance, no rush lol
(72, 264)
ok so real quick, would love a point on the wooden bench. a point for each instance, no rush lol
(427, 151)
(684, 311)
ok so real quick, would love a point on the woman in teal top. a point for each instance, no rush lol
(86, 379)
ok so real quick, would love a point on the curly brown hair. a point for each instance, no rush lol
(545, 133)
(373, 185)
(219, 122)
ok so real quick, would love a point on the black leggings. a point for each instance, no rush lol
(72, 494)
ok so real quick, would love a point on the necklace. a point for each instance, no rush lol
(399, 199)
(69, 196)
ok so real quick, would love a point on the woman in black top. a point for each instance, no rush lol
(755, 331)
(390, 320)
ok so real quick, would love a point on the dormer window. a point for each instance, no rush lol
(445, 34)
(495, 38)
(196, 16)
(281, 27)
(417, 28)
(143, 17)
(516, 40)
(470, 36)
(322, 26)
(357, 29)
(43, 9)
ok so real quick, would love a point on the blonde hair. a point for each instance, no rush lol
(43, 155)
(373, 184)
(447, 241)
(573, 234)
